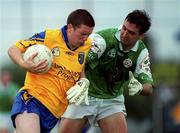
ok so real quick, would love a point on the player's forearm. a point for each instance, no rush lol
(147, 90)
(83, 73)
(15, 54)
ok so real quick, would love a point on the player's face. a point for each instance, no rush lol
(78, 35)
(129, 34)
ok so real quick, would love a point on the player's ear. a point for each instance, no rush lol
(70, 27)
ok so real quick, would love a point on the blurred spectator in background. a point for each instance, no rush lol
(8, 90)
(175, 114)
(168, 104)
(171, 113)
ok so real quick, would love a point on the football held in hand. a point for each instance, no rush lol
(44, 53)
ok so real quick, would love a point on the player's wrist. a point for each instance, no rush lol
(84, 80)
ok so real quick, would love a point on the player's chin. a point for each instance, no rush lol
(124, 41)
(81, 43)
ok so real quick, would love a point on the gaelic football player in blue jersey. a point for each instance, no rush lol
(42, 100)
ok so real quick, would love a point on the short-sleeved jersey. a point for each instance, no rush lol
(110, 72)
(50, 88)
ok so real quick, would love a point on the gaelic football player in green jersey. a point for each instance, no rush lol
(122, 61)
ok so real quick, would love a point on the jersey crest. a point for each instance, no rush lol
(56, 51)
(127, 63)
(112, 53)
(81, 57)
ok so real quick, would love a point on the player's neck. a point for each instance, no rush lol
(127, 47)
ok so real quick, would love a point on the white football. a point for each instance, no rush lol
(44, 53)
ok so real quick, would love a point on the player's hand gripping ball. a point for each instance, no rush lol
(44, 53)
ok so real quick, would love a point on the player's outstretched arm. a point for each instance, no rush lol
(147, 90)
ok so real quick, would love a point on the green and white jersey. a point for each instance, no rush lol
(109, 73)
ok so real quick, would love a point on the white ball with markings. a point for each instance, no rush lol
(44, 53)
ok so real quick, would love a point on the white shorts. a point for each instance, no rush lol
(96, 110)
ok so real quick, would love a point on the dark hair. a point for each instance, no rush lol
(80, 16)
(141, 19)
